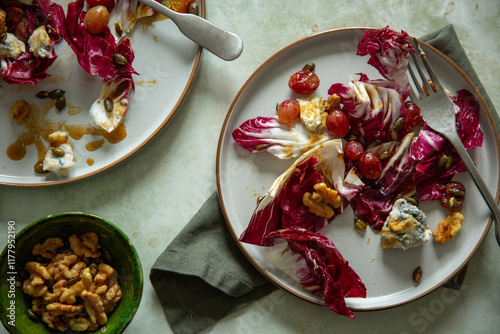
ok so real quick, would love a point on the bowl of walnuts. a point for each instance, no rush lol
(69, 272)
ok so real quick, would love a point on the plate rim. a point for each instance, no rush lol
(222, 205)
(161, 126)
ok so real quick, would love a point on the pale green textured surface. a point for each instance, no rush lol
(156, 192)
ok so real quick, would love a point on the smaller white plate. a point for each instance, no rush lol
(242, 177)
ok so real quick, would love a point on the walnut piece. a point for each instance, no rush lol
(95, 307)
(20, 111)
(316, 205)
(64, 309)
(85, 245)
(49, 248)
(69, 295)
(328, 194)
(448, 228)
(82, 324)
(322, 201)
(35, 284)
(60, 264)
(332, 103)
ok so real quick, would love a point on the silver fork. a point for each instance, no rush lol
(437, 110)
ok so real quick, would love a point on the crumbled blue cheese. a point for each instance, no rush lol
(39, 42)
(405, 227)
(60, 164)
(11, 47)
(312, 112)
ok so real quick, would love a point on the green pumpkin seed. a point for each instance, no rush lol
(42, 95)
(449, 163)
(385, 155)
(452, 203)
(193, 8)
(38, 167)
(360, 224)
(398, 125)
(56, 93)
(3, 37)
(108, 104)
(119, 59)
(441, 161)
(457, 193)
(61, 103)
(118, 28)
(351, 137)
(417, 275)
(58, 152)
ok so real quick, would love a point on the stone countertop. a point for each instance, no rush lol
(152, 195)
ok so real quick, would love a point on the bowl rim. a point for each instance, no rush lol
(138, 272)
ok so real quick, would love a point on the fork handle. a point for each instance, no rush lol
(478, 180)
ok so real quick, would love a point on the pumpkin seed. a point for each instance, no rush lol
(38, 167)
(42, 95)
(61, 103)
(417, 275)
(32, 315)
(119, 59)
(58, 152)
(118, 28)
(456, 193)
(441, 161)
(309, 67)
(108, 104)
(449, 163)
(360, 224)
(452, 203)
(56, 93)
(3, 37)
(412, 200)
(398, 125)
(193, 8)
(351, 137)
(385, 155)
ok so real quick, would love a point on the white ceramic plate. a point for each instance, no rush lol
(166, 61)
(387, 274)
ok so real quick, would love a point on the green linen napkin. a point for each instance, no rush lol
(203, 276)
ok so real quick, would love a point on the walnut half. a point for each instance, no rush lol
(448, 228)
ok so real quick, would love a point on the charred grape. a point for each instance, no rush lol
(353, 150)
(337, 123)
(370, 166)
(413, 113)
(288, 111)
(96, 19)
(303, 82)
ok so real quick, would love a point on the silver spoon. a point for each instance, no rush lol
(220, 42)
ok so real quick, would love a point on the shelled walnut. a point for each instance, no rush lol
(76, 289)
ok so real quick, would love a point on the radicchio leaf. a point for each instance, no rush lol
(283, 141)
(389, 52)
(282, 205)
(313, 260)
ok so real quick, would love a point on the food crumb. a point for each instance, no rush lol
(90, 161)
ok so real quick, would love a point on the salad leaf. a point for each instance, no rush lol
(374, 202)
(95, 51)
(282, 205)
(127, 13)
(372, 110)
(313, 260)
(389, 52)
(283, 141)
(30, 67)
(118, 91)
(467, 113)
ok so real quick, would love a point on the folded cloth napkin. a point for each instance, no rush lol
(203, 276)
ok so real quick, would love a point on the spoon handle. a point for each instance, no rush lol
(220, 42)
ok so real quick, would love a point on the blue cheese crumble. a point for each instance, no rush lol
(405, 227)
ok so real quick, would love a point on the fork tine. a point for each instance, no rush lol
(425, 83)
(413, 96)
(428, 66)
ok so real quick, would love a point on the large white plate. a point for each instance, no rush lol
(387, 274)
(166, 61)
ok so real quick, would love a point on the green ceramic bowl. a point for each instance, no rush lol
(124, 259)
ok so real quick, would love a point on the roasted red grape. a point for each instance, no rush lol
(288, 111)
(413, 113)
(337, 123)
(353, 150)
(303, 82)
(370, 166)
(96, 19)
